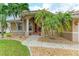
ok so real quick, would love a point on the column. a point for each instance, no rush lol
(10, 27)
(16, 27)
(78, 31)
(27, 27)
(23, 27)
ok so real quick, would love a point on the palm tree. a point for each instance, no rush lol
(39, 19)
(3, 15)
(65, 19)
(22, 7)
(12, 10)
(15, 9)
(43, 19)
(53, 22)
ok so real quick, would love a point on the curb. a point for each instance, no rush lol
(28, 48)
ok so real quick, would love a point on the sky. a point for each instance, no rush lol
(54, 7)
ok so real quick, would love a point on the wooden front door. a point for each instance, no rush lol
(37, 29)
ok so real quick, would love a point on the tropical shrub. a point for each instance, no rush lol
(52, 23)
(8, 34)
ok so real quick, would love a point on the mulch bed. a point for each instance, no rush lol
(16, 37)
(41, 51)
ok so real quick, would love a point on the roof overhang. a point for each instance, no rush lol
(75, 16)
(14, 20)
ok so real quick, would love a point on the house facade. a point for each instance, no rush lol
(27, 26)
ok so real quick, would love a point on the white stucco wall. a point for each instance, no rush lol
(76, 34)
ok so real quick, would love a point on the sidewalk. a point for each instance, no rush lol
(32, 41)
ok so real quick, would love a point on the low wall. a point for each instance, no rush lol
(67, 35)
(75, 37)
(71, 36)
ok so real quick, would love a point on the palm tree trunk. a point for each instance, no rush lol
(42, 30)
(2, 32)
(14, 19)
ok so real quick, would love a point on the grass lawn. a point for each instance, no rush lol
(13, 48)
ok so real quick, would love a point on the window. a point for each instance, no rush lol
(30, 26)
(19, 26)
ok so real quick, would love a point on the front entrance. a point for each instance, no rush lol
(37, 30)
(34, 28)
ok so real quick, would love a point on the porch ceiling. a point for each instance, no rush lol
(27, 17)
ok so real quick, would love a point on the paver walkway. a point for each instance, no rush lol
(32, 41)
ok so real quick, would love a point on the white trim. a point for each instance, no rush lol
(16, 27)
(27, 25)
(76, 35)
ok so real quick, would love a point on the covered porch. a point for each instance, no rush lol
(25, 25)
